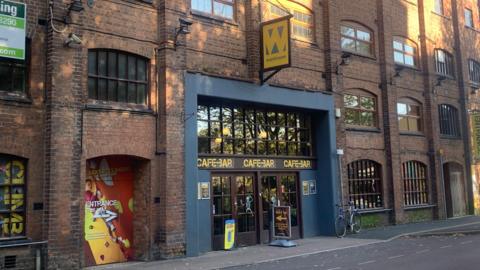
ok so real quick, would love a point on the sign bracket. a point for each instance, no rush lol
(264, 80)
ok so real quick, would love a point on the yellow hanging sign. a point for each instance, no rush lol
(275, 48)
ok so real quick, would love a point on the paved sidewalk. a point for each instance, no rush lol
(263, 253)
(392, 232)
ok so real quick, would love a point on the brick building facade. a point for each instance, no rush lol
(391, 82)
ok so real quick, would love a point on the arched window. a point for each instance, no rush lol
(302, 21)
(444, 63)
(117, 76)
(360, 109)
(365, 184)
(415, 187)
(12, 196)
(405, 52)
(356, 38)
(449, 121)
(409, 115)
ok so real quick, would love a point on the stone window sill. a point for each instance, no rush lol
(417, 207)
(375, 210)
(7, 96)
(113, 106)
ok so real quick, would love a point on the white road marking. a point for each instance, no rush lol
(367, 262)
(394, 257)
(446, 246)
(466, 242)
(422, 251)
(336, 268)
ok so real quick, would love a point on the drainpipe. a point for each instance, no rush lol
(442, 178)
(340, 178)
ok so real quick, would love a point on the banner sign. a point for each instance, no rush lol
(275, 47)
(281, 222)
(12, 29)
(476, 135)
(108, 211)
(255, 163)
(229, 234)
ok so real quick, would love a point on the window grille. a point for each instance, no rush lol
(474, 71)
(449, 121)
(415, 187)
(365, 184)
(443, 63)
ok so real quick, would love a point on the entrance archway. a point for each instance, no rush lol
(454, 189)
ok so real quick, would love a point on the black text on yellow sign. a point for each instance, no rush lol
(276, 43)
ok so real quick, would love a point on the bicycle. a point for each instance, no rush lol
(350, 219)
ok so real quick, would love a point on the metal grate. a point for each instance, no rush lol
(365, 184)
(10, 261)
(414, 176)
(443, 63)
(449, 122)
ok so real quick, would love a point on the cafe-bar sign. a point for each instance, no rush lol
(221, 163)
(12, 29)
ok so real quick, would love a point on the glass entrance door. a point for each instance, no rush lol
(279, 189)
(233, 197)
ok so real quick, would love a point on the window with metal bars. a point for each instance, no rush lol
(444, 63)
(415, 186)
(225, 129)
(474, 71)
(365, 184)
(12, 196)
(117, 76)
(449, 122)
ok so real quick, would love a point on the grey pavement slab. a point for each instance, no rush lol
(390, 232)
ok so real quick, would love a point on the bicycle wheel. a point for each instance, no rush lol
(340, 227)
(356, 222)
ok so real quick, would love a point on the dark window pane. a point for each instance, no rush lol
(92, 86)
(112, 90)
(102, 63)
(122, 92)
(141, 94)
(112, 64)
(142, 70)
(102, 89)
(132, 95)
(132, 68)
(5, 77)
(203, 145)
(92, 62)
(19, 79)
(122, 66)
